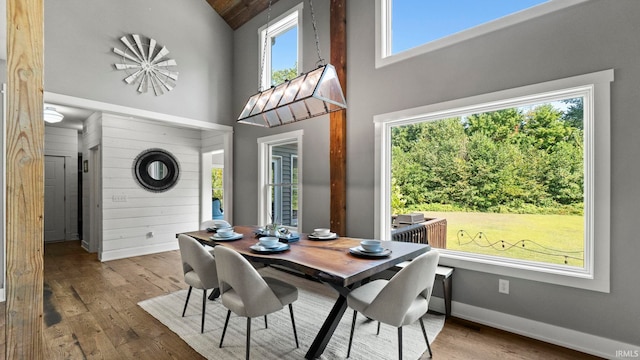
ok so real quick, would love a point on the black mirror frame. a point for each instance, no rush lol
(141, 172)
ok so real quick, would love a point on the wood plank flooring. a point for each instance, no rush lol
(92, 313)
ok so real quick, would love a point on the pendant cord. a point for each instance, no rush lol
(264, 49)
(315, 31)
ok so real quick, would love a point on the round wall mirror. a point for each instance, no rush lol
(156, 170)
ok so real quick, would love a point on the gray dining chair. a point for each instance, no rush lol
(246, 293)
(399, 301)
(199, 267)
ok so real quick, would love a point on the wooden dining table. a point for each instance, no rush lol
(328, 261)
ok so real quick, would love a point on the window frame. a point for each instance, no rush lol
(264, 165)
(384, 56)
(275, 27)
(595, 275)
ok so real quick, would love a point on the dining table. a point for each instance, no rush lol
(334, 261)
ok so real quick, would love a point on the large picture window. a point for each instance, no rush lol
(521, 178)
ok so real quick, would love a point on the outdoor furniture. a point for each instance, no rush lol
(199, 267)
(327, 261)
(399, 301)
(245, 292)
(432, 232)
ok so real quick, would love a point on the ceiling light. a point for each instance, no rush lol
(51, 115)
(315, 93)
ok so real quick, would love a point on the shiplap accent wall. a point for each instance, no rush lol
(137, 221)
(64, 142)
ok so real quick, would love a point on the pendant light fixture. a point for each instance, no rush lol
(312, 94)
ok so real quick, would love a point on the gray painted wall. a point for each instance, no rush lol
(593, 36)
(81, 34)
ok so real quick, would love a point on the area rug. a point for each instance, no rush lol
(314, 303)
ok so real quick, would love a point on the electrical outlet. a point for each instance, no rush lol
(503, 286)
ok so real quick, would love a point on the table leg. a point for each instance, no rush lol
(327, 329)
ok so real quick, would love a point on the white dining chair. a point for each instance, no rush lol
(199, 267)
(246, 293)
(399, 301)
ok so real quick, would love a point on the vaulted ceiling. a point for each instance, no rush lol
(237, 12)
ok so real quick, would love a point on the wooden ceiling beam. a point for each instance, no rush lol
(338, 120)
(25, 180)
(238, 12)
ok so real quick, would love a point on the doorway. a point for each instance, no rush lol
(54, 198)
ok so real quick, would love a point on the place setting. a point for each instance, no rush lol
(282, 233)
(371, 249)
(225, 234)
(322, 234)
(269, 245)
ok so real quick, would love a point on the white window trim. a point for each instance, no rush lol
(275, 27)
(264, 164)
(597, 174)
(291, 172)
(383, 30)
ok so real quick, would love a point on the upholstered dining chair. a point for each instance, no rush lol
(199, 267)
(246, 293)
(399, 301)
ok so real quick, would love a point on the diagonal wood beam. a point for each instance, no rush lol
(338, 120)
(25, 180)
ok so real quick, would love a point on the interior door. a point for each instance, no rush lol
(54, 198)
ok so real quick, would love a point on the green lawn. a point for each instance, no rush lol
(547, 238)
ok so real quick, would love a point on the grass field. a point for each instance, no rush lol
(544, 238)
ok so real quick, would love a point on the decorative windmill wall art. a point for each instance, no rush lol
(146, 65)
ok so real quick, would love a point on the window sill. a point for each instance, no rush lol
(557, 276)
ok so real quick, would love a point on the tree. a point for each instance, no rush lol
(282, 75)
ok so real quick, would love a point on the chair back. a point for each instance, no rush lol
(235, 274)
(413, 281)
(196, 258)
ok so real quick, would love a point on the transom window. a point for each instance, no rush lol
(522, 178)
(282, 53)
(406, 28)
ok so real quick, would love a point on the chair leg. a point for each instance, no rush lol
(187, 302)
(224, 330)
(204, 308)
(293, 323)
(378, 332)
(353, 326)
(265, 322)
(248, 337)
(214, 294)
(424, 332)
(400, 343)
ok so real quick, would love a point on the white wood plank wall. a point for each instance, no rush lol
(64, 142)
(137, 221)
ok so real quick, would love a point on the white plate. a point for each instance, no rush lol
(263, 250)
(324, 237)
(361, 249)
(235, 236)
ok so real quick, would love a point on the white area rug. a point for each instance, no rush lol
(314, 303)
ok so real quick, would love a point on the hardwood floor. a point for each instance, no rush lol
(91, 313)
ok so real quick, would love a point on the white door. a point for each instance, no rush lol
(54, 198)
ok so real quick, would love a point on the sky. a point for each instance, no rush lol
(416, 22)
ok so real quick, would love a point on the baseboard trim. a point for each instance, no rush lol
(137, 251)
(572, 339)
